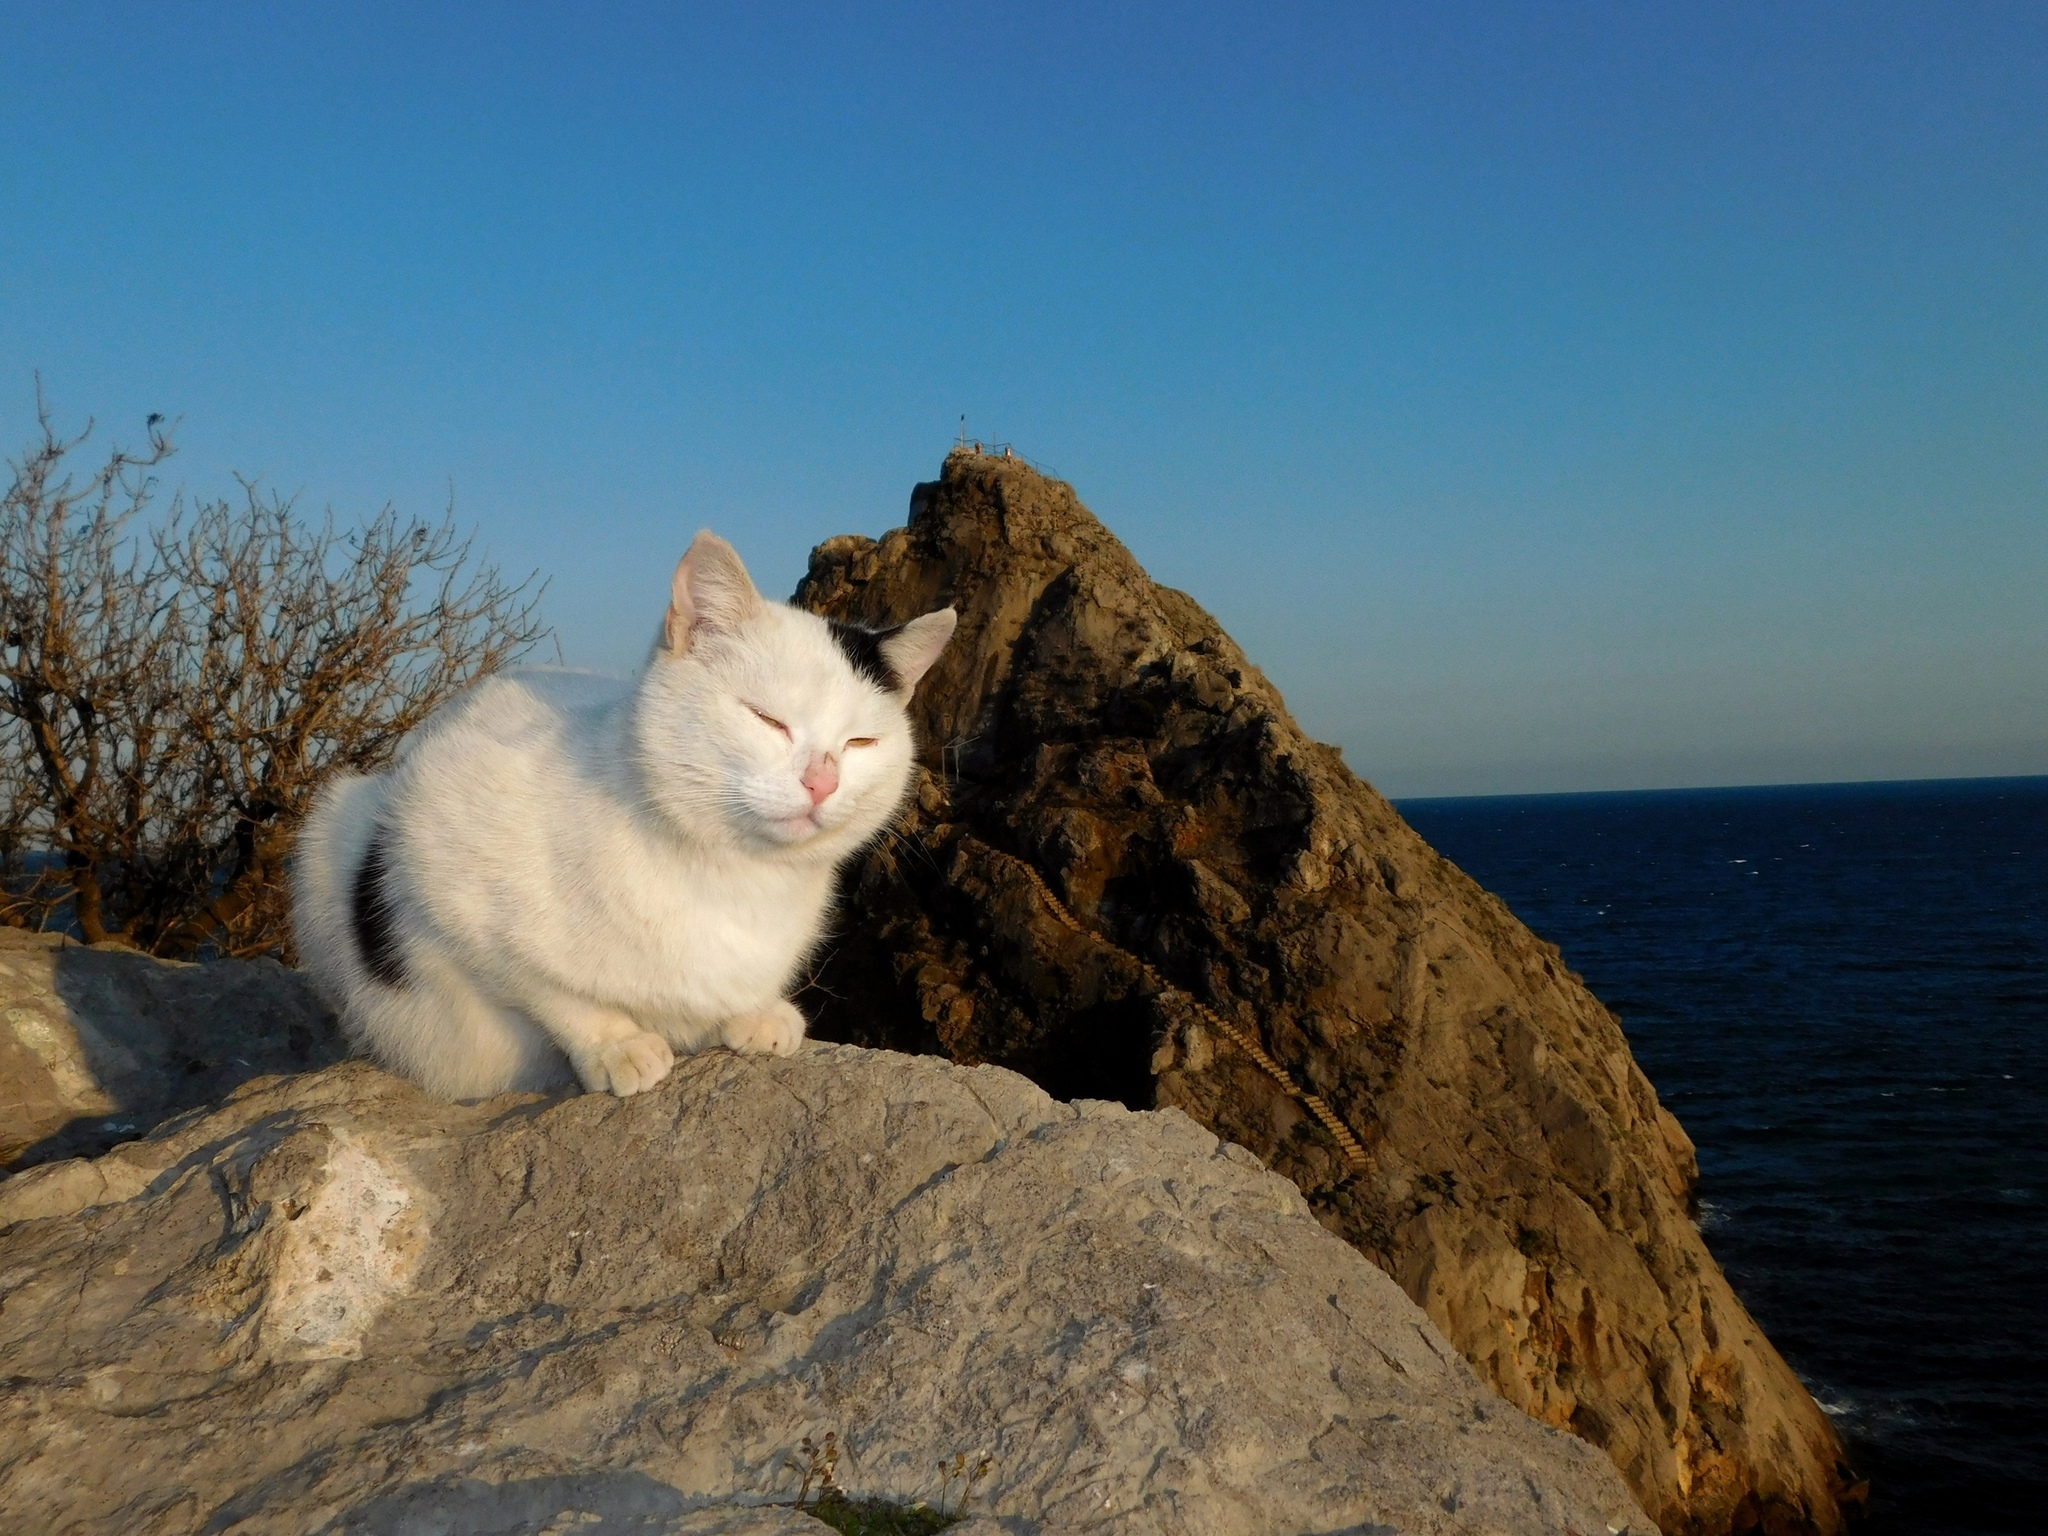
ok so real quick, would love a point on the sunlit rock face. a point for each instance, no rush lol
(1092, 729)
(335, 1304)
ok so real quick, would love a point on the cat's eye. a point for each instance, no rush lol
(862, 741)
(769, 720)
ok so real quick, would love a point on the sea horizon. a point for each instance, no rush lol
(1933, 782)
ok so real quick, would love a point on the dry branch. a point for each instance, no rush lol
(170, 698)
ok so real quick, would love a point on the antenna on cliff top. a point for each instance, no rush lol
(963, 430)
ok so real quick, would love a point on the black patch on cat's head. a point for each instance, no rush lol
(862, 649)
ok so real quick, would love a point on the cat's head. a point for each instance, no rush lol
(765, 727)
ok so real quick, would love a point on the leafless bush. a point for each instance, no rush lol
(170, 695)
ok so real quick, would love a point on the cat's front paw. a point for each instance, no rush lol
(630, 1065)
(776, 1030)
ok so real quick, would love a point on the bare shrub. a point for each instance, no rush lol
(170, 695)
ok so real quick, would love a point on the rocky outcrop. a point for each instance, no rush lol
(1129, 874)
(100, 1043)
(337, 1305)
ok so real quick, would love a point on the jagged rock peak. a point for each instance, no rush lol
(1098, 734)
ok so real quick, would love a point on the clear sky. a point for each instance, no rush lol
(1548, 396)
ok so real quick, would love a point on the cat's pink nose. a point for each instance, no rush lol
(821, 778)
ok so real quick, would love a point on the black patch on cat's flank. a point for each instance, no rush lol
(375, 941)
(863, 651)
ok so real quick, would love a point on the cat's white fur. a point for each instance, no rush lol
(587, 875)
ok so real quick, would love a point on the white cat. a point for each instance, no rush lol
(567, 866)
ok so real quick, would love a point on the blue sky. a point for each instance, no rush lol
(1548, 397)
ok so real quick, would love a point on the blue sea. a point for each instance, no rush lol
(1842, 991)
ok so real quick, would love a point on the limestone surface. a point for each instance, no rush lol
(1126, 861)
(334, 1304)
(99, 1043)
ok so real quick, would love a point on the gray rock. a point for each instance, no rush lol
(99, 1043)
(334, 1304)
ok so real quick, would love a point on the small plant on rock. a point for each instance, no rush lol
(877, 1517)
(958, 1471)
(820, 1496)
(820, 1461)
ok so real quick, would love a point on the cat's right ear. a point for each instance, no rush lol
(711, 592)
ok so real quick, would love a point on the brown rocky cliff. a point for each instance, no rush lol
(1520, 1179)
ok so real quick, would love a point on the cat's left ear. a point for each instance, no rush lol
(711, 591)
(911, 649)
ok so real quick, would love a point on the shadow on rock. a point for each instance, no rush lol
(592, 1504)
(99, 1044)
